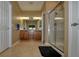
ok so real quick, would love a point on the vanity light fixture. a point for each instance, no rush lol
(35, 18)
(59, 18)
(22, 18)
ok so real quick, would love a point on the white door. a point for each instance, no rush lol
(4, 25)
(73, 41)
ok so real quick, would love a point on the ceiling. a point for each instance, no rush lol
(30, 5)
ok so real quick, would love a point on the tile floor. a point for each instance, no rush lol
(23, 49)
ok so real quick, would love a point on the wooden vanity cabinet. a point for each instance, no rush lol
(28, 35)
(37, 35)
(21, 34)
(24, 35)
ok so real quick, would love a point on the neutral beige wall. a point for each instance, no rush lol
(43, 8)
(50, 5)
(66, 29)
(15, 12)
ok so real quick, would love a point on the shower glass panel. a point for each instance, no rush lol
(59, 19)
(56, 27)
(51, 35)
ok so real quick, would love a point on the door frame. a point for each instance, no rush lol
(43, 34)
(10, 24)
(69, 28)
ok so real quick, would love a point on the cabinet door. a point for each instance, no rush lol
(26, 37)
(37, 35)
(31, 35)
(21, 35)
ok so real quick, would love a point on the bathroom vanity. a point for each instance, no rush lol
(30, 35)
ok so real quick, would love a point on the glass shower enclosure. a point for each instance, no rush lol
(56, 27)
